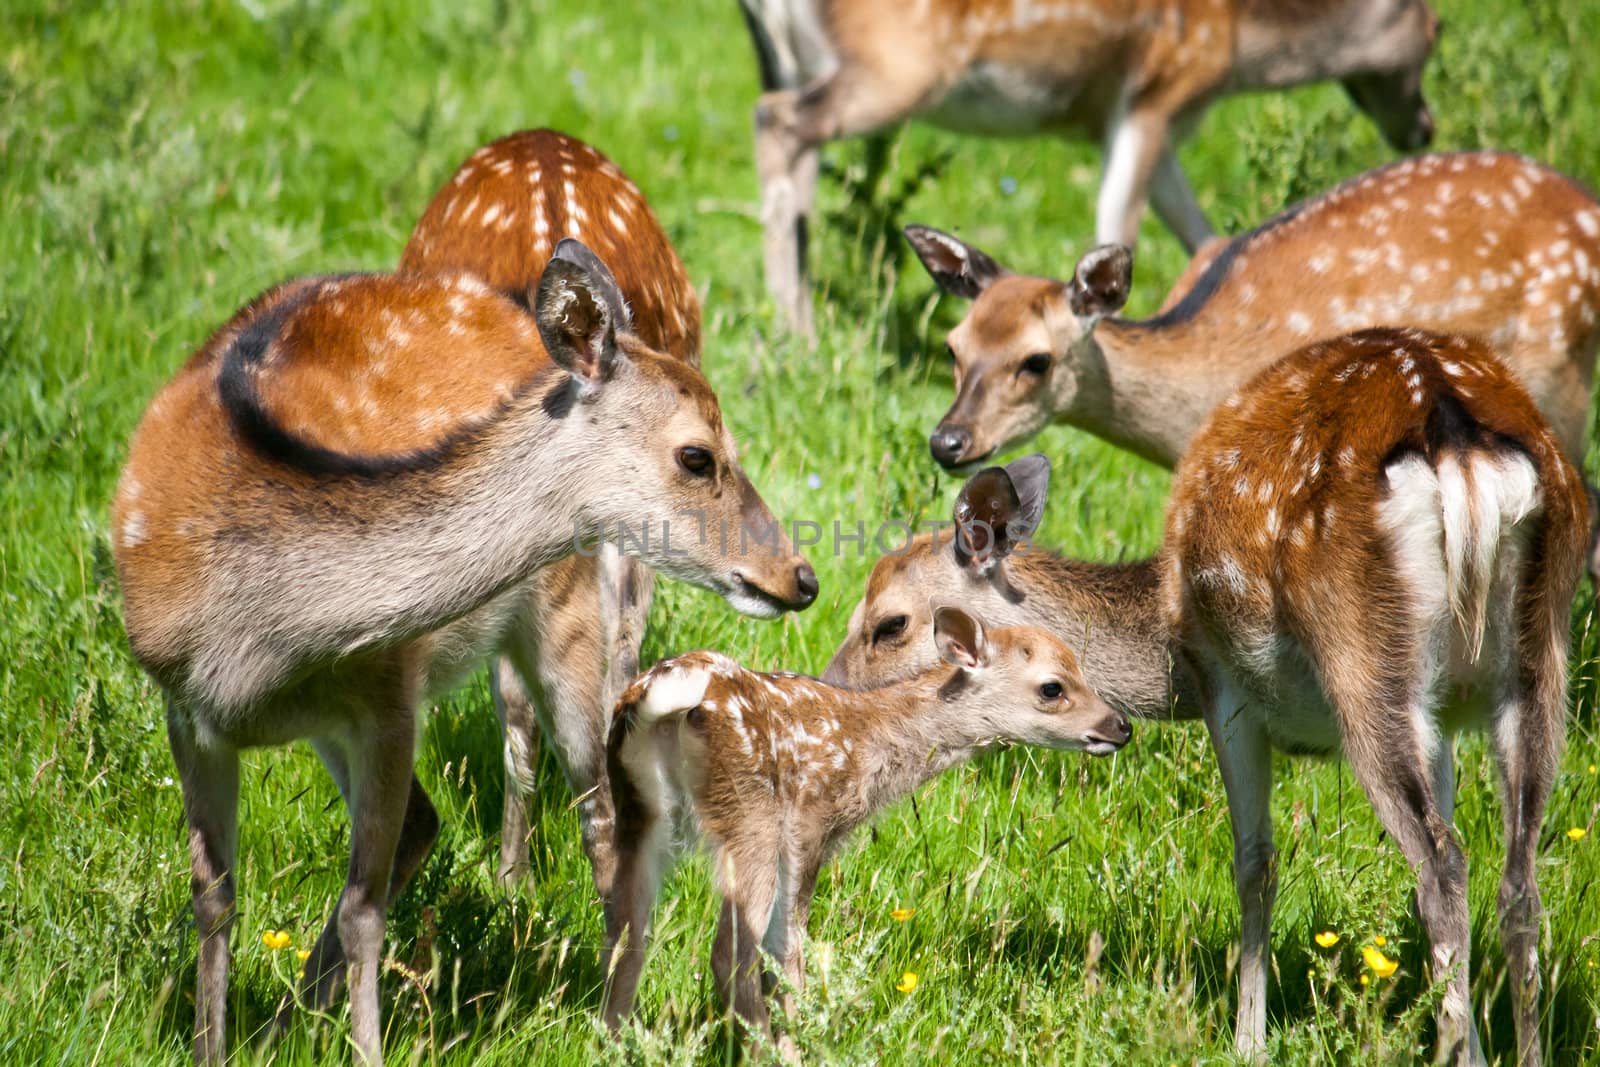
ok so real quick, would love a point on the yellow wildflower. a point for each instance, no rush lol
(1593, 768)
(1365, 979)
(900, 915)
(1327, 939)
(1577, 833)
(1380, 941)
(1381, 965)
(276, 939)
(907, 983)
(302, 954)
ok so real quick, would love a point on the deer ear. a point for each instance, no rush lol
(960, 269)
(960, 637)
(998, 509)
(579, 310)
(1100, 284)
(1030, 477)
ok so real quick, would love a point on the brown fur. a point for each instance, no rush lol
(576, 643)
(1135, 77)
(508, 204)
(289, 571)
(1482, 243)
(774, 769)
(1288, 581)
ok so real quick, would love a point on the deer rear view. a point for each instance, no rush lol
(320, 489)
(1136, 77)
(774, 770)
(572, 640)
(1373, 544)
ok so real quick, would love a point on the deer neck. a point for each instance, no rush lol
(1110, 615)
(925, 725)
(1134, 393)
(427, 546)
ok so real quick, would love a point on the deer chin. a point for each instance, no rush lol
(1099, 746)
(747, 598)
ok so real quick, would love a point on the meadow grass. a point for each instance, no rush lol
(160, 163)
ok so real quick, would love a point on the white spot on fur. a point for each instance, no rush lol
(134, 529)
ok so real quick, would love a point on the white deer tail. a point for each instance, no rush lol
(1482, 495)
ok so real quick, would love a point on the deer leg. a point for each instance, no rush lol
(519, 727)
(209, 774)
(791, 124)
(556, 649)
(1175, 202)
(749, 886)
(378, 753)
(1135, 143)
(643, 846)
(626, 589)
(1392, 754)
(325, 966)
(1529, 733)
(1244, 755)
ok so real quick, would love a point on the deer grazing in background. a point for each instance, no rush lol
(331, 512)
(1373, 544)
(1135, 77)
(1481, 243)
(574, 642)
(774, 770)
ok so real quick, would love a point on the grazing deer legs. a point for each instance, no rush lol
(519, 734)
(1175, 202)
(749, 886)
(641, 859)
(1245, 757)
(210, 777)
(790, 125)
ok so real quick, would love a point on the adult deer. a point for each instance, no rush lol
(574, 641)
(1136, 77)
(775, 770)
(1479, 243)
(331, 511)
(1373, 544)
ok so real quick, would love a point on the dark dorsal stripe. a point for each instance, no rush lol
(257, 427)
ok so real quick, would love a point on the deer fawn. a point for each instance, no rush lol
(574, 642)
(1478, 243)
(321, 489)
(1373, 544)
(1136, 77)
(774, 770)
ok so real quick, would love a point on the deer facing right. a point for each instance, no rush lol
(774, 770)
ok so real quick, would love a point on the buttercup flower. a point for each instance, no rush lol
(900, 915)
(1327, 939)
(1577, 833)
(276, 939)
(1381, 965)
(907, 983)
(302, 954)
(1380, 941)
(1365, 979)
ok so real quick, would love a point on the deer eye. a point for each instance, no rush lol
(1038, 363)
(1050, 690)
(893, 626)
(697, 461)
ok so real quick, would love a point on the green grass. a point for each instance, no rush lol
(161, 163)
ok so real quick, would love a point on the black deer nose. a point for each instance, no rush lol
(948, 444)
(805, 579)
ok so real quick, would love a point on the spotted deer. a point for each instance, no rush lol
(331, 511)
(1137, 77)
(773, 770)
(574, 642)
(1372, 545)
(1480, 243)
